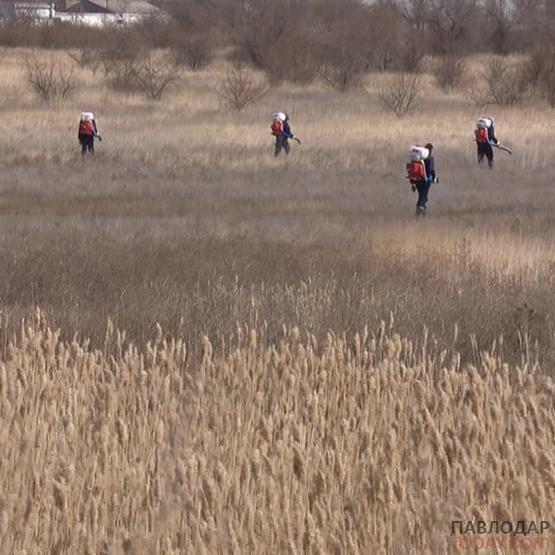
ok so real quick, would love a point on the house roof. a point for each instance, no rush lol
(125, 6)
(14, 6)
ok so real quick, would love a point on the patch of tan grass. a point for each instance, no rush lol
(293, 447)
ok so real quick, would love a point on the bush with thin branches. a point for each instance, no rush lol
(86, 57)
(118, 58)
(449, 71)
(152, 76)
(240, 88)
(503, 83)
(341, 77)
(51, 79)
(540, 72)
(400, 93)
(194, 52)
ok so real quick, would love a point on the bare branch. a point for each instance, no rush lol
(400, 93)
(239, 88)
(50, 79)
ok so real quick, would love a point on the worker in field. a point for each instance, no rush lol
(281, 129)
(87, 133)
(421, 172)
(484, 135)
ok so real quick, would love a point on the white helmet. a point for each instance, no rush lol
(87, 116)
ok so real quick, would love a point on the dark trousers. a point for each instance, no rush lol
(485, 151)
(282, 142)
(87, 144)
(422, 187)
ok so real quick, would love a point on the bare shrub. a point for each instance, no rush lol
(296, 61)
(400, 93)
(119, 58)
(152, 76)
(547, 83)
(449, 71)
(121, 74)
(540, 72)
(194, 52)
(260, 27)
(504, 83)
(86, 57)
(386, 32)
(50, 79)
(410, 53)
(22, 30)
(240, 88)
(140, 71)
(342, 72)
(124, 47)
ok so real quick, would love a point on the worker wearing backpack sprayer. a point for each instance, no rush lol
(281, 129)
(87, 133)
(485, 139)
(422, 173)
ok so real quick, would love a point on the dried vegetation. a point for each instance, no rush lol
(345, 446)
(273, 411)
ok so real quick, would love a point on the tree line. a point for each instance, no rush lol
(335, 41)
(296, 36)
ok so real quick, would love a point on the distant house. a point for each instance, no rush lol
(93, 13)
(31, 10)
(116, 7)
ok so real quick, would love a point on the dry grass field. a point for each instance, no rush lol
(305, 367)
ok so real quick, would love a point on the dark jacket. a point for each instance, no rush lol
(287, 130)
(430, 167)
(491, 134)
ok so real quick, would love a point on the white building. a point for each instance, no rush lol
(93, 13)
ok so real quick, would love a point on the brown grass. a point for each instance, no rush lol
(290, 446)
(289, 432)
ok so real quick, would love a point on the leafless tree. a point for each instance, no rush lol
(526, 19)
(152, 75)
(342, 70)
(261, 26)
(445, 22)
(120, 74)
(386, 30)
(504, 83)
(240, 88)
(50, 79)
(540, 71)
(119, 57)
(400, 93)
(411, 52)
(547, 83)
(449, 71)
(296, 60)
(450, 22)
(86, 57)
(499, 12)
(416, 12)
(193, 51)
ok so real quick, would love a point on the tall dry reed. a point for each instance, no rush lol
(363, 446)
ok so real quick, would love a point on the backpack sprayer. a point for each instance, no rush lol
(484, 123)
(281, 117)
(89, 117)
(416, 166)
(416, 169)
